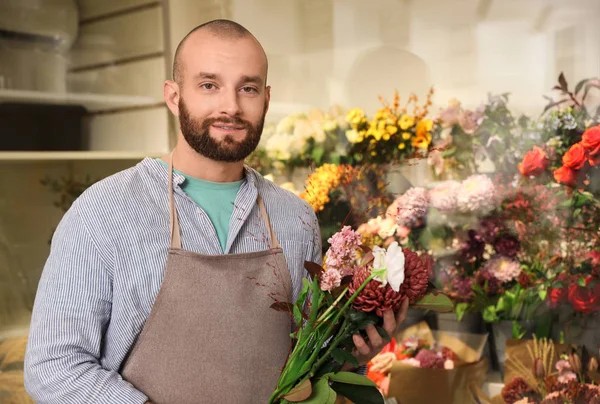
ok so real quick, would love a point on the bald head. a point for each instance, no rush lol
(220, 29)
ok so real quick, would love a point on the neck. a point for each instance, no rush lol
(192, 163)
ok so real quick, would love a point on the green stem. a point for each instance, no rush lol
(280, 390)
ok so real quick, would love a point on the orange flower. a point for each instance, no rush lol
(534, 162)
(591, 141)
(576, 156)
(565, 175)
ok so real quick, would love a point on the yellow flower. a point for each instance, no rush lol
(424, 125)
(353, 136)
(320, 183)
(401, 146)
(356, 117)
(406, 121)
(406, 135)
(422, 141)
(386, 136)
(373, 153)
(391, 129)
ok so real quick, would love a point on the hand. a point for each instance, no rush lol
(365, 351)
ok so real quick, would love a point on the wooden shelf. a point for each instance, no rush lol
(93, 102)
(75, 155)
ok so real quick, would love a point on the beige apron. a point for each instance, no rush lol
(211, 336)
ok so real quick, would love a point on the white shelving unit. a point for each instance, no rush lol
(93, 102)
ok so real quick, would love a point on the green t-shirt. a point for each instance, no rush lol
(215, 198)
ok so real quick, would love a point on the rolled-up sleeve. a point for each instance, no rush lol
(71, 312)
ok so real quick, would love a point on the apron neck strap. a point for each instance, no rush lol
(174, 221)
(263, 212)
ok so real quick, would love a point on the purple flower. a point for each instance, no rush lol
(507, 245)
(474, 248)
(342, 250)
(494, 285)
(462, 287)
(490, 228)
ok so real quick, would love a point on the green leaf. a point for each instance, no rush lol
(517, 331)
(576, 212)
(297, 315)
(317, 154)
(490, 315)
(358, 394)
(580, 85)
(434, 301)
(581, 282)
(341, 357)
(563, 82)
(351, 378)
(461, 309)
(542, 293)
(322, 393)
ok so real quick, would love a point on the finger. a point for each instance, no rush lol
(401, 316)
(389, 322)
(374, 337)
(361, 345)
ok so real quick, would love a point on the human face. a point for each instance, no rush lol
(223, 98)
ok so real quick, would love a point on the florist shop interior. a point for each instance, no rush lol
(467, 131)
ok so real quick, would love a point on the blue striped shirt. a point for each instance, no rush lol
(106, 266)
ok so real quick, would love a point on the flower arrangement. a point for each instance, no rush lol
(392, 135)
(429, 366)
(353, 288)
(304, 139)
(545, 377)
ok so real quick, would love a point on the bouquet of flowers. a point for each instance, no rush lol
(352, 289)
(542, 372)
(392, 135)
(447, 363)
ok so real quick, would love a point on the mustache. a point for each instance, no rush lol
(227, 121)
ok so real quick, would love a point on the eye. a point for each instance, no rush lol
(208, 86)
(248, 89)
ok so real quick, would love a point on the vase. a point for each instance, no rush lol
(503, 331)
(415, 316)
(471, 323)
(582, 330)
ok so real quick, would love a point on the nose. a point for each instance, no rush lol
(229, 103)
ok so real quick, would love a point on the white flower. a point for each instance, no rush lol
(352, 136)
(390, 263)
(387, 227)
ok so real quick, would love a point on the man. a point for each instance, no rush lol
(160, 277)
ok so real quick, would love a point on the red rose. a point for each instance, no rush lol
(575, 157)
(566, 176)
(557, 296)
(534, 162)
(585, 299)
(591, 141)
(594, 257)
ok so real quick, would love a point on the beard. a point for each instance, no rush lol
(197, 135)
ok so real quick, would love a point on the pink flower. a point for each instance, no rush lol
(449, 116)
(562, 366)
(476, 194)
(443, 196)
(330, 280)
(342, 250)
(411, 207)
(430, 359)
(504, 269)
(566, 377)
(469, 121)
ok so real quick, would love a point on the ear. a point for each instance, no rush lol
(267, 98)
(171, 96)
